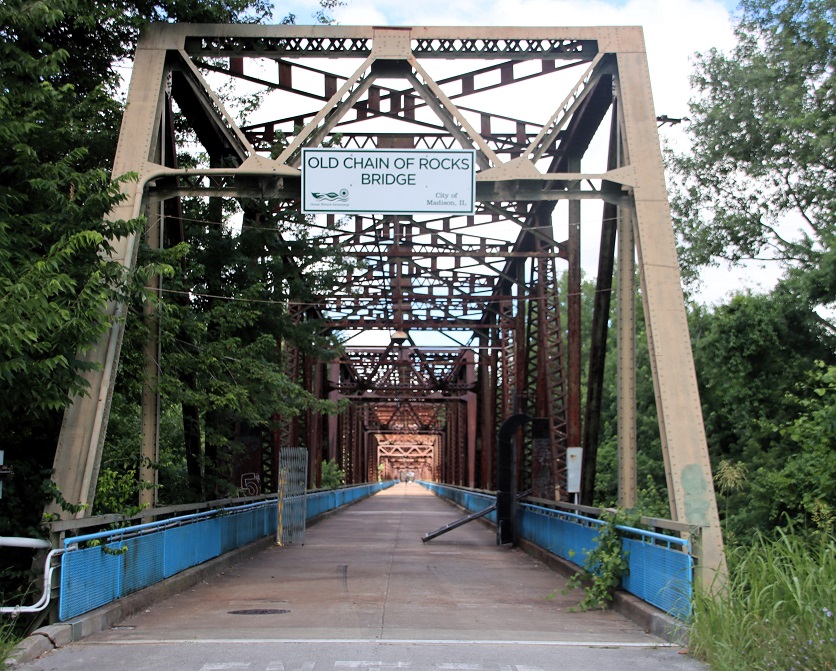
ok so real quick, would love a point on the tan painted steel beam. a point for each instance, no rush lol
(678, 404)
(260, 41)
(333, 111)
(79, 449)
(150, 407)
(574, 333)
(452, 118)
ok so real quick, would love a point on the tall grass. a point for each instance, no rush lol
(777, 610)
(8, 637)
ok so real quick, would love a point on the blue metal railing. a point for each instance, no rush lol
(122, 561)
(467, 498)
(661, 568)
(323, 501)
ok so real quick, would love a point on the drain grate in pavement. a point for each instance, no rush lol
(259, 611)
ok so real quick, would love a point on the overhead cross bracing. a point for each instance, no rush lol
(558, 119)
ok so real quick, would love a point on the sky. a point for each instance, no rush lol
(674, 31)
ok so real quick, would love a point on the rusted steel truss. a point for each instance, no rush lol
(553, 115)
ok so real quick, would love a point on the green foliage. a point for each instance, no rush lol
(55, 282)
(53, 494)
(117, 489)
(60, 109)
(762, 130)
(754, 357)
(227, 328)
(806, 482)
(606, 563)
(652, 492)
(60, 64)
(775, 612)
(332, 475)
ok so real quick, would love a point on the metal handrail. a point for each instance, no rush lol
(670, 540)
(579, 509)
(139, 529)
(33, 544)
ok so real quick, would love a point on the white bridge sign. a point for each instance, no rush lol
(388, 181)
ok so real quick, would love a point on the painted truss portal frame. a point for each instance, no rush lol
(490, 278)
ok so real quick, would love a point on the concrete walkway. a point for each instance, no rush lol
(364, 578)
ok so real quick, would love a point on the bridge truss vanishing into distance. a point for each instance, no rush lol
(475, 324)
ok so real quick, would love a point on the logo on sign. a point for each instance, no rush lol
(340, 196)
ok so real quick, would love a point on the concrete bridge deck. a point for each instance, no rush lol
(364, 592)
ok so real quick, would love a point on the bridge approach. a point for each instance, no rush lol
(365, 592)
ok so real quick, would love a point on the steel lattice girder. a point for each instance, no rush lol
(404, 372)
(467, 275)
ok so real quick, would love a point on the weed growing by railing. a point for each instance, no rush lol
(776, 611)
(11, 628)
(8, 638)
(605, 564)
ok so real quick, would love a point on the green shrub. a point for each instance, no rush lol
(332, 475)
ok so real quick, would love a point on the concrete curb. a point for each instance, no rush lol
(54, 636)
(648, 617)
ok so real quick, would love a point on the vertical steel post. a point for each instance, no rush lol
(600, 327)
(521, 385)
(333, 419)
(690, 481)
(542, 447)
(470, 413)
(463, 441)
(150, 404)
(574, 338)
(315, 425)
(487, 408)
(152, 351)
(626, 400)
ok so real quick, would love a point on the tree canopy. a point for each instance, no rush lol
(60, 111)
(760, 179)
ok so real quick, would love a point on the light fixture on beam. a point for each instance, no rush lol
(400, 336)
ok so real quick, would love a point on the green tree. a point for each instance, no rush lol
(763, 156)
(222, 347)
(54, 282)
(60, 109)
(60, 64)
(806, 482)
(751, 356)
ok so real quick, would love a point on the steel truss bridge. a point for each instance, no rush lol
(476, 324)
